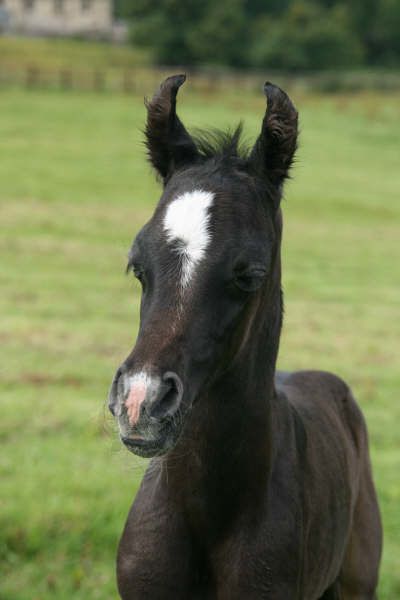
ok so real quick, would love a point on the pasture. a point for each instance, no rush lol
(75, 188)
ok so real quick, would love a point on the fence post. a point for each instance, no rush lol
(32, 76)
(128, 85)
(98, 81)
(65, 79)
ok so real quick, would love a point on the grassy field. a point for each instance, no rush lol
(55, 53)
(74, 190)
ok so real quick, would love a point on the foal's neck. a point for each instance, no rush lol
(226, 448)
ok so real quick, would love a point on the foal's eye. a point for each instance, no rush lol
(250, 279)
(138, 272)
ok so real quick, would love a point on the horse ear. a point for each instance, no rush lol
(274, 149)
(169, 144)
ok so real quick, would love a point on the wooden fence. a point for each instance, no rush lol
(142, 79)
(127, 81)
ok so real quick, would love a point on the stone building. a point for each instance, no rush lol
(91, 18)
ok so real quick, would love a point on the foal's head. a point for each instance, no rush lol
(207, 260)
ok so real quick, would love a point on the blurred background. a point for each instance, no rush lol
(75, 188)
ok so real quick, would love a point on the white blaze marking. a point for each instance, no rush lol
(186, 223)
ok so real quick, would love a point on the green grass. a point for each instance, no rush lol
(55, 53)
(74, 190)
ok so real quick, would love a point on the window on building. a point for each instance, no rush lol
(29, 5)
(86, 5)
(58, 6)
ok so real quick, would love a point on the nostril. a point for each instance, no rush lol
(170, 396)
(114, 392)
(174, 380)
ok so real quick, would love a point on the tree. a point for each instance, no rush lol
(123, 9)
(385, 34)
(307, 37)
(165, 26)
(286, 34)
(220, 35)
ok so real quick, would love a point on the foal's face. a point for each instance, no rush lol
(203, 260)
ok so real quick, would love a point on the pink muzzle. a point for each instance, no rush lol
(137, 394)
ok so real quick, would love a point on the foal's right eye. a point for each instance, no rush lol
(138, 272)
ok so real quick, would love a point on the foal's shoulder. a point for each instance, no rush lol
(310, 381)
(316, 392)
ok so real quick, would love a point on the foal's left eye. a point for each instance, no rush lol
(251, 279)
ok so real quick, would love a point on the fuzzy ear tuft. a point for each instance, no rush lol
(169, 144)
(274, 149)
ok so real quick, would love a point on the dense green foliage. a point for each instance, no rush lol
(75, 188)
(288, 34)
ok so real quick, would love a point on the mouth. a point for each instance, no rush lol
(145, 448)
(159, 439)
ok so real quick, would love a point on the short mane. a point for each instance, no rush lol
(215, 143)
